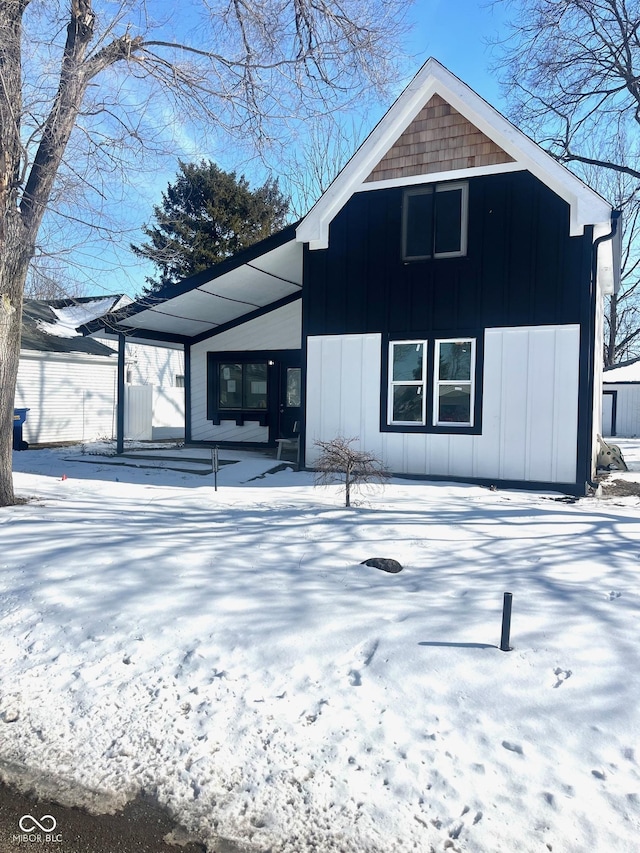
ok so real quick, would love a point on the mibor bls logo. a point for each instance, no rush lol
(38, 830)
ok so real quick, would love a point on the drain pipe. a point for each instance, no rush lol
(615, 220)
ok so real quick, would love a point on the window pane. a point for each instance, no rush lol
(255, 386)
(407, 362)
(448, 225)
(455, 360)
(407, 403)
(230, 386)
(454, 403)
(293, 387)
(418, 225)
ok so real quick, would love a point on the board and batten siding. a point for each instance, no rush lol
(529, 407)
(278, 330)
(70, 397)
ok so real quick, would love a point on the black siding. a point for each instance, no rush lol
(521, 267)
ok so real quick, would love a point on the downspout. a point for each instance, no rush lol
(615, 217)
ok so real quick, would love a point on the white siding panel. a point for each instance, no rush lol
(627, 408)
(279, 329)
(530, 407)
(168, 407)
(69, 398)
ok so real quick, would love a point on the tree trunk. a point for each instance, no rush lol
(13, 272)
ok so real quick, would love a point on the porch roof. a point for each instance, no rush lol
(232, 291)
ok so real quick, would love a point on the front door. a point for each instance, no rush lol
(290, 409)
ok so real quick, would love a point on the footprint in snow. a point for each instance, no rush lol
(612, 595)
(513, 747)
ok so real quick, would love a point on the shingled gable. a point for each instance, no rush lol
(439, 126)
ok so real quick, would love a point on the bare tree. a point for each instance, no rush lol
(571, 74)
(87, 87)
(340, 462)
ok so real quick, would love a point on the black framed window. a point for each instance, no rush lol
(433, 385)
(242, 386)
(434, 221)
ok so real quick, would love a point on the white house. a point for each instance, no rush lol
(68, 382)
(621, 400)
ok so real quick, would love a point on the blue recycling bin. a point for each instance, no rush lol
(19, 417)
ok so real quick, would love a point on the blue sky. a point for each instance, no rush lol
(455, 32)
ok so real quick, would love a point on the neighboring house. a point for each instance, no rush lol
(69, 382)
(621, 399)
(442, 302)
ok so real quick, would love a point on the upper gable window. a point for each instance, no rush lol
(434, 222)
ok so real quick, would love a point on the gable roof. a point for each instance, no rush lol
(50, 325)
(440, 126)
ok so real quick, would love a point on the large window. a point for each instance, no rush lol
(453, 382)
(407, 362)
(242, 386)
(434, 222)
(439, 396)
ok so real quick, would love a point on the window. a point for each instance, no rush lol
(242, 386)
(434, 222)
(435, 398)
(294, 387)
(453, 385)
(407, 363)
(179, 380)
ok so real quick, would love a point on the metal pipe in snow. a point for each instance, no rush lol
(506, 622)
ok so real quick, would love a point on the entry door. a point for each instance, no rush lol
(290, 398)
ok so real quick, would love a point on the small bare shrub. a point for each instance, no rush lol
(340, 462)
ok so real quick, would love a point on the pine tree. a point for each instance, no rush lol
(207, 215)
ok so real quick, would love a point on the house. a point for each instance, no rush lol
(441, 302)
(621, 399)
(68, 381)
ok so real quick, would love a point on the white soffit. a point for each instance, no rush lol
(226, 297)
(587, 206)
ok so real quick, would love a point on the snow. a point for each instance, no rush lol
(626, 373)
(70, 317)
(226, 652)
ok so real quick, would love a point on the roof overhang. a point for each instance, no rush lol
(231, 291)
(586, 206)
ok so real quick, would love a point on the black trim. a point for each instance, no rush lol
(478, 336)
(120, 399)
(252, 315)
(614, 409)
(266, 418)
(187, 392)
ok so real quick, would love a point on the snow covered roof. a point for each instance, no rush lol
(628, 371)
(50, 325)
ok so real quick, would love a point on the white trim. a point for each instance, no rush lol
(437, 382)
(438, 177)
(418, 383)
(440, 187)
(587, 207)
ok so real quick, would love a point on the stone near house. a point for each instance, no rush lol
(384, 563)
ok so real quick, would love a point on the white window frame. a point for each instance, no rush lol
(464, 218)
(470, 383)
(422, 383)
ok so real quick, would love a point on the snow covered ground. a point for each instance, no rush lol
(227, 652)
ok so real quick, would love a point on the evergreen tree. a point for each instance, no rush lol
(207, 215)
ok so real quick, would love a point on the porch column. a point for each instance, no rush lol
(120, 396)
